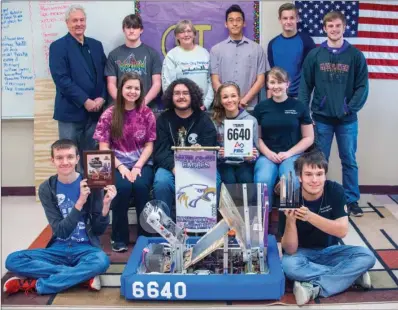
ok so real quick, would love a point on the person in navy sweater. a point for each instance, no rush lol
(289, 49)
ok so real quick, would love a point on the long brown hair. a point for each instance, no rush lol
(120, 105)
(219, 110)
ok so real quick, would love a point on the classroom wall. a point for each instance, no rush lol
(377, 142)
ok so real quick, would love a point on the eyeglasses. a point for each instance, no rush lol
(179, 93)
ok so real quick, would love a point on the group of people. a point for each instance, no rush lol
(202, 90)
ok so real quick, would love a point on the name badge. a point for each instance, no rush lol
(238, 138)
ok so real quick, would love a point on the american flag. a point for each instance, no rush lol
(372, 27)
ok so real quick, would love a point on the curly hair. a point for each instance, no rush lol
(195, 92)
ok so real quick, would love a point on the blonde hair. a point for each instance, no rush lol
(331, 16)
(180, 27)
(279, 74)
(219, 110)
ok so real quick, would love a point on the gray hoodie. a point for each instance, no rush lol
(63, 227)
(243, 115)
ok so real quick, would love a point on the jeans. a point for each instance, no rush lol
(140, 190)
(266, 171)
(232, 174)
(82, 134)
(333, 269)
(346, 137)
(60, 266)
(164, 188)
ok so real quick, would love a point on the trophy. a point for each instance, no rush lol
(289, 197)
(182, 133)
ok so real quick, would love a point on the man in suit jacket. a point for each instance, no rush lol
(77, 66)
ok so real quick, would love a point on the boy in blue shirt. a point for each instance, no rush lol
(289, 49)
(78, 216)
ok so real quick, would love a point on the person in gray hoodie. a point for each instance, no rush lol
(226, 107)
(77, 216)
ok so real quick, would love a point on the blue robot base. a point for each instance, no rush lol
(270, 286)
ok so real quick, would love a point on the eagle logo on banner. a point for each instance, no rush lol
(191, 194)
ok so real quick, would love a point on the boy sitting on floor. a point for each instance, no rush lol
(78, 216)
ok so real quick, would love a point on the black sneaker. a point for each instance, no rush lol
(119, 246)
(354, 209)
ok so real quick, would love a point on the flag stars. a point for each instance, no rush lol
(353, 22)
(353, 31)
(337, 7)
(311, 20)
(311, 11)
(305, 15)
(316, 6)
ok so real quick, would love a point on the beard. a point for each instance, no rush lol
(181, 108)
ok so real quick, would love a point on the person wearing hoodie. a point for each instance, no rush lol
(183, 117)
(226, 107)
(77, 215)
(337, 73)
(286, 131)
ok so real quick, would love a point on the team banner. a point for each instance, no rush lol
(196, 193)
(208, 17)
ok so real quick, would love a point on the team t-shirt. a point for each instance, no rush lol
(332, 205)
(281, 123)
(67, 196)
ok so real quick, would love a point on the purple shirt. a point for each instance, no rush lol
(139, 128)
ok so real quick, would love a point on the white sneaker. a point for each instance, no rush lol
(94, 283)
(304, 292)
(364, 281)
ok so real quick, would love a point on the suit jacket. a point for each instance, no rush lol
(73, 79)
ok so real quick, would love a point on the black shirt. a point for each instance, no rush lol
(333, 207)
(281, 122)
(85, 50)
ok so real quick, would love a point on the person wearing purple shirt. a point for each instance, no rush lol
(129, 129)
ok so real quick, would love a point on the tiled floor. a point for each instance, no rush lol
(22, 219)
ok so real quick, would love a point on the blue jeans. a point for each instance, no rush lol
(82, 134)
(140, 190)
(333, 269)
(236, 174)
(266, 171)
(60, 266)
(164, 188)
(346, 137)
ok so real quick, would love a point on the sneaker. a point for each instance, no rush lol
(94, 283)
(119, 247)
(15, 284)
(354, 209)
(364, 281)
(304, 292)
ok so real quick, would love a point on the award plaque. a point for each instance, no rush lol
(99, 168)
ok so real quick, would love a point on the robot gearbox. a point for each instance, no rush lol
(235, 260)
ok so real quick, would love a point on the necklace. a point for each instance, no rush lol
(320, 206)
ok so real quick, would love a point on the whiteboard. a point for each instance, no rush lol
(28, 29)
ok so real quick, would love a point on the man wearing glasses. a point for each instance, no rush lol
(238, 59)
(182, 124)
